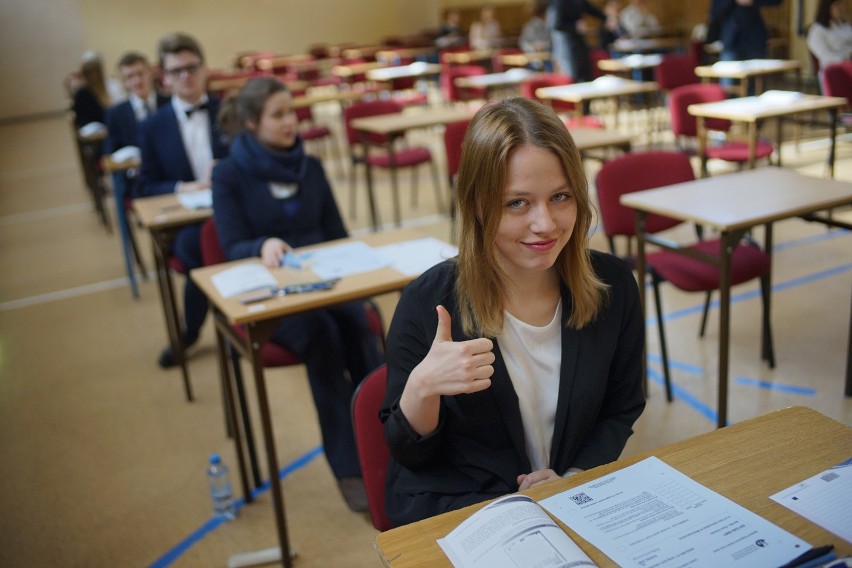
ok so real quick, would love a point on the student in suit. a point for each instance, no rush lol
(742, 30)
(180, 144)
(269, 197)
(143, 100)
(830, 36)
(520, 360)
(570, 50)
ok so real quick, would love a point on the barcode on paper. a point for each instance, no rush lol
(829, 476)
(581, 498)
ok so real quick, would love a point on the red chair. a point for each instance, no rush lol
(453, 93)
(453, 138)
(497, 64)
(373, 452)
(529, 87)
(310, 131)
(837, 80)
(685, 126)
(598, 54)
(647, 170)
(391, 159)
(674, 71)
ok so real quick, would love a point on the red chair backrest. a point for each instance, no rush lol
(837, 80)
(597, 54)
(367, 108)
(448, 76)
(211, 247)
(529, 86)
(373, 452)
(675, 70)
(453, 138)
(683, 123)
(634, 172)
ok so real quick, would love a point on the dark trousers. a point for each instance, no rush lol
(187, 248)
(338, 350)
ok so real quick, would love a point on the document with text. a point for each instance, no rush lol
(650, 515)
(512, 531)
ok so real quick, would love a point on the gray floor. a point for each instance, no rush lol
(103, 460)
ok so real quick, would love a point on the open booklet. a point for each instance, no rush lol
(509, 532)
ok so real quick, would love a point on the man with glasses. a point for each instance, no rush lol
(143, 100)
(180, 144)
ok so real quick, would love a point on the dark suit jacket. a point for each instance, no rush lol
(478, 449)
(741, 28)
(164, 158)
(122, 125)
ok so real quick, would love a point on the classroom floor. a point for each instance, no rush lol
(103, 459)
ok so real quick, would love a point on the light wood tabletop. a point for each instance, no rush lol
(166, 211)
(606, 87)
(746, 462)
(416, 69)
(630, 63)
(747, 69)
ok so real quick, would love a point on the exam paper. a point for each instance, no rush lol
(510, 532)
(342, 260)
(417, 256)
(201, 199)
(243, 278)
(650, 515)
(825, 499)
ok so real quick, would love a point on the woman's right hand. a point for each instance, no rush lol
(272, 251)
(449, 368)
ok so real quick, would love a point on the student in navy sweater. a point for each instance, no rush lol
(270, 197)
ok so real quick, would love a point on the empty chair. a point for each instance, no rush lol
(453, 137)
(675, 70)
(310, 130)
(529, 87)
(647, 170)
(837, 80)
(685, 126)
(373, 452)
(453, 93)
(391, 158)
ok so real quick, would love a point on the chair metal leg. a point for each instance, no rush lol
(244, 411)
(352, 187)
(436, 182)
(704, 314)
(664, 353)
(767, 348)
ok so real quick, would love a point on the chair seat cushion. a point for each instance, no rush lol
(738, 151)
(272, 354)
(314, 132)
(176, 265)
(693, 275)
(585, 121)
(403, 158)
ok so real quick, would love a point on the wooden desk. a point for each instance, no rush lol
(740, 462)
(163, 215)
(754, 110)
(731, 205)
(394, 56)
(348, 71)
(89, 147)
(330, 96)
(606, 87)
(281, 61)
(494, 81)
(598, 139)
(118, 171)
(524, 59)
(394, 126)
(646, 45)
(626, 65)
(466, 57)
(742, 71)
(261, 320)
(411, 71)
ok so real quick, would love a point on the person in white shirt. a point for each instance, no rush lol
(830, 36)
(486, 33)
(637, 21)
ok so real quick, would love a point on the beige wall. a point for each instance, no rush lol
(42, 40)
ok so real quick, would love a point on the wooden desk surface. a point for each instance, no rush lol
(597, 138)
(752, 109)
(641, 45)
(746, 462)
(465, 57)
(165, 211)
(109, 165)
(355, 68)
(609, 87)
(743, 199)
(747, 68)
(510, 77)
(330, 96)
(401, 122)
(629, 63)
(524, 59)
(416, 69)
(351, 287)
(389, 55)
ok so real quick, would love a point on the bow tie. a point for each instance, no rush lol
(200, 106)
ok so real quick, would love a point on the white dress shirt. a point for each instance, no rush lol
(195, 133)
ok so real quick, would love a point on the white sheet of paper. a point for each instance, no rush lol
(510, 532)
(243, 278)
(824, 499)
(649, 514)
(350, 258)
(416, 256)
(201, 199)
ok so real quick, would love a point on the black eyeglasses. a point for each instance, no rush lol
(190, 69)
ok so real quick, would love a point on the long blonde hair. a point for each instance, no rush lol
(494, 133)
(92, 71)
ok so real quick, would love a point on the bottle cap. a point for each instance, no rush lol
(214, 458)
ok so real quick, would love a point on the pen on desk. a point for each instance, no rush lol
(813, 557)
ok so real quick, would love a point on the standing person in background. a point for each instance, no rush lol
(519, 361)
(450, 33)
(180, 144)
(123, 119)
(485, 33)
(535, 36)
(637, 21)
(830, 36)
(570, 50)
(741, 28)
(607, 35)
(269, 197)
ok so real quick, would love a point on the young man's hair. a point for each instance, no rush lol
(176, 43)
(132, 58)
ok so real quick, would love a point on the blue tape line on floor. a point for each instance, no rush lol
(172, 555)
(775, 386)
(684, 395)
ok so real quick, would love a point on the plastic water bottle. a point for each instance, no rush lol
(220, 488)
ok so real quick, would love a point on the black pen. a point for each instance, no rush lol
(820, 553)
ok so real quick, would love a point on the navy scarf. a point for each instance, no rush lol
(262, 162)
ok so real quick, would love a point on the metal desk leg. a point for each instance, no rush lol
(640, 277)
(119, 188)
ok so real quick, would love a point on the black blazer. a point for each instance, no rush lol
(478, 449)
(122, 125)
(164, 158)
